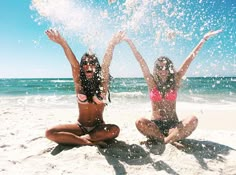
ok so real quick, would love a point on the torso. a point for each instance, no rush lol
(90, 114)
(164, 110)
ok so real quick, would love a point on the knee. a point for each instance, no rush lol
(49, 133)
(192, 122)
(140, 122)
(115, 131)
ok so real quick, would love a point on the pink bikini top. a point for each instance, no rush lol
(156, 96)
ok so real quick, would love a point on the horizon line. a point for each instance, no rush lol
(113, 77)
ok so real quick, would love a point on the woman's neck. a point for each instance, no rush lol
(162, 80)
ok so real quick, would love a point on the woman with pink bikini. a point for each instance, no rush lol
(163, 85)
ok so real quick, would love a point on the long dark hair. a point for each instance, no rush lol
(90, 87)
(170, 83)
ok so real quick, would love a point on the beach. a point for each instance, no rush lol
(211, 149)
(37, 89)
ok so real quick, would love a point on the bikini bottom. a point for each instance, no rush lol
(166, 125)
(88, 129)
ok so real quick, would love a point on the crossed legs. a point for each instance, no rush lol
(72, 134)
(181, 131)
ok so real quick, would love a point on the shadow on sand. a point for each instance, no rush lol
(60, 147)
(118, 152)
(205, 150)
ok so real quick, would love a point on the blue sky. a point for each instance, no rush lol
(158, 27)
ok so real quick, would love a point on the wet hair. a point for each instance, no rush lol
(170, 82)
(93, 86)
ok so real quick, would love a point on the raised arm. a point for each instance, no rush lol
(184, 67)
(146, 72)
(57, 38)
(107, 59)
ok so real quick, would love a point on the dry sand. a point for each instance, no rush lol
(24, 150)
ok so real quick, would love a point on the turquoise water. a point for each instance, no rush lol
(221, 89)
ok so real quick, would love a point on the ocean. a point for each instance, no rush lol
(211, 90)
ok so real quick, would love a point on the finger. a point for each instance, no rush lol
(217, 31)
(57, 33)
(49, 32)
(52, 31)
(123, 33)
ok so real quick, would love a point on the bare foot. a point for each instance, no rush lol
(151, 142)
(101, 144)
(156, 147)
(179, 145)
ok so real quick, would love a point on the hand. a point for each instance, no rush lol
(55, 36)
(128, 40)
(99, 101)
(211, 33)
(118, 37)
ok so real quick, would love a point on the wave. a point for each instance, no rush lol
(61, 81)
(118, 103)
(129, 94)
(233, 80)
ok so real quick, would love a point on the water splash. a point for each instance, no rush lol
(155, 24)
(95, 24)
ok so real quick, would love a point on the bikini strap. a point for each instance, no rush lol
(82, 101)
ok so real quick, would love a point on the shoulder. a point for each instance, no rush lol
(150, 82)
(178, 79)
